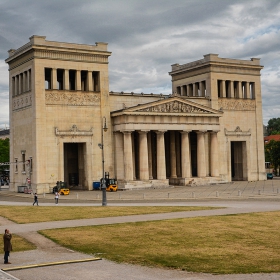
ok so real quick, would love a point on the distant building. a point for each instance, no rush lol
(267, 139)
(208, 130)
(4, 133)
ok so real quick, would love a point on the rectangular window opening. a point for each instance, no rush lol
(72, 79)
(48, 77)
(60, 77)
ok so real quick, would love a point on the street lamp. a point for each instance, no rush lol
(101, 146)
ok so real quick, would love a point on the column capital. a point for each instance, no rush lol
(185, 131)
(143, 131)
(214, 131)
(126, 131)
(160, 131)
(201, 131)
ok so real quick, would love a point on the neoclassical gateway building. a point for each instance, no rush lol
(208, 130)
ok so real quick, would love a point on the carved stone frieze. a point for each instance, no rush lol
(73, 99)
(174, 107)
(22, 101)
(237, 132)
(237, 104)
(73, 131)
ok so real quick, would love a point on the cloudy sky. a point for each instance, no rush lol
(147, 36)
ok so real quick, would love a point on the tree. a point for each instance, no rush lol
(273, 126)
(272, 153)
(4, 152)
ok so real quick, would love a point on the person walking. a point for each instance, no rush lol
(35, 199)
(56, 197)
(7, 246)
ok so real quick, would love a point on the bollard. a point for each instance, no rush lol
(77, 195)
(168, 195)
(119, 196)
(217, 194)
(193, 194)
(259, 192)
(239, 193)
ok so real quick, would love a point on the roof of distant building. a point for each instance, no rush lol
(267, 139)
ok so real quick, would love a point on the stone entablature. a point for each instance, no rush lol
(58, 97)
(237, 104)
(23, 101)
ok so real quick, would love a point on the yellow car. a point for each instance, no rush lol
(64, 191)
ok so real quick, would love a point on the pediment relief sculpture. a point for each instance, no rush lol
(174, 107)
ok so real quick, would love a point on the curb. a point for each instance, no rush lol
(49, 264)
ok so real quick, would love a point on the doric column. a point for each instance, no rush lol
(201, 164)
(247, 90)
(214, 157)
(239, 90)
(66, 79)
(161, 165)
(128, 163)
(188, 90)
(143, 156)
(173, 154)
(223, 88)
(54, 79)
(89, 81)
(185, 154)
(150, 157)
(231, 89)
(78, 80)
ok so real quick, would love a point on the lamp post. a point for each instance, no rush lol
(103, 181)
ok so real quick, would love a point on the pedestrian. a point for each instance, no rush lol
(35, 199)
(56, 197)
(7, 245)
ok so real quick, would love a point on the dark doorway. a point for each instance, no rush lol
(74, 171)
(238, 160)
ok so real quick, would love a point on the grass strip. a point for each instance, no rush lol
(245, 243)
(37, 214)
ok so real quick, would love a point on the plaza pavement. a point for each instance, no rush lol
(238, 197)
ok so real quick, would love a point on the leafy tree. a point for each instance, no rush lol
(4, 152)
(272, 153)
(273, 126)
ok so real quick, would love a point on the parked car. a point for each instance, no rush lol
(269, 176)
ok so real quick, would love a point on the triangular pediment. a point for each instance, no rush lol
(171, 105)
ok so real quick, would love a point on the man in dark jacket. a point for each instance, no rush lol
(7, 245)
